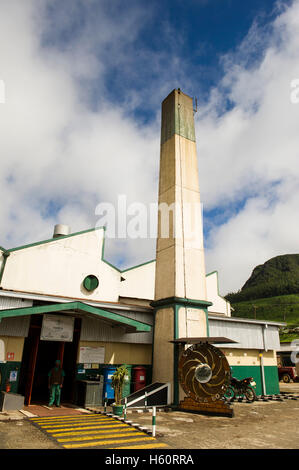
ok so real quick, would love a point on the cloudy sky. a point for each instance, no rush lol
(80, 125)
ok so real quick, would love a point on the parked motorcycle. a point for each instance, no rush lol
(239, 388)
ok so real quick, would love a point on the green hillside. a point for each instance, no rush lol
(271, 293)
(283, 309)
(277, 276)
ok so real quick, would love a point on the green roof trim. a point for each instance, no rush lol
(213, 272)
(181, 301)
(138, 266)
(55, 239)
(80, 306)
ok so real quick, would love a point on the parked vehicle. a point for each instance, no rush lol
(286, 374)
(240, 388)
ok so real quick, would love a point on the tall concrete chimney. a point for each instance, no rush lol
(180, 287)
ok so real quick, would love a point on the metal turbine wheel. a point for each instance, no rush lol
(204, 372)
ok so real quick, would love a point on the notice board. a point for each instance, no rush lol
(57, 328)
(90, 355)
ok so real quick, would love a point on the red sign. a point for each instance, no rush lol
(10, 356)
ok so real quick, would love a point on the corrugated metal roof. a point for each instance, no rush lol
(9, 303)
(51, 298)
(15, 326)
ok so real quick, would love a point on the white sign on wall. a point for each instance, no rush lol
(196, 323)
(193, 314)
(13, 376)
(92, 355)
(57, 328)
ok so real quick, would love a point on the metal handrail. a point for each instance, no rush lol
(147, 394)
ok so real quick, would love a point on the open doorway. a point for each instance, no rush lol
(39, 357)
(48, 352)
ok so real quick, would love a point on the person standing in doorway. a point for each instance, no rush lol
(56, 376)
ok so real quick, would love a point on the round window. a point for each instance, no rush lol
(91, 282)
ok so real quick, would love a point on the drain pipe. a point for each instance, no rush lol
(262, 360)
(263, 374)
(5, 255)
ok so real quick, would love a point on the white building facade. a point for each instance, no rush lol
(115, 314)
(60, 298)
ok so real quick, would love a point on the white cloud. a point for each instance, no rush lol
(252, 152)
(58, 150)
(55, 150)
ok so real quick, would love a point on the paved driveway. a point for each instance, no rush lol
(259, 425)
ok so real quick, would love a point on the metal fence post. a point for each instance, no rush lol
(125, 412)
(105, 403)
(263, 374)
(153, 421)
(145, 399)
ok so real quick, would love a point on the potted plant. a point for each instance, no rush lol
(117, 382)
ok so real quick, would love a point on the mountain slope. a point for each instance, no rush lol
(271, 293)
(277, 276)
(284, 308)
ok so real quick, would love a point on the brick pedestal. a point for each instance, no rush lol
(216, 408)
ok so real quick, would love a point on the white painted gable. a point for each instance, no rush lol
(220, 305)
(139, 282)
(59, 267)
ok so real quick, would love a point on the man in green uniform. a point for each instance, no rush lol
(56, 376)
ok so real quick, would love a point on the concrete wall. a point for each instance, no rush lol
(14, 345)
(248, 364)
(250, 357)
(12, 334)
(163, 349)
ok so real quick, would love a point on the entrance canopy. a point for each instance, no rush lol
(112, 318)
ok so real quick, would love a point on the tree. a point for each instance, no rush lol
(118, 379)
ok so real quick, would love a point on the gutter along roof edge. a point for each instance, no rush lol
(60, 299)
(245, 320)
